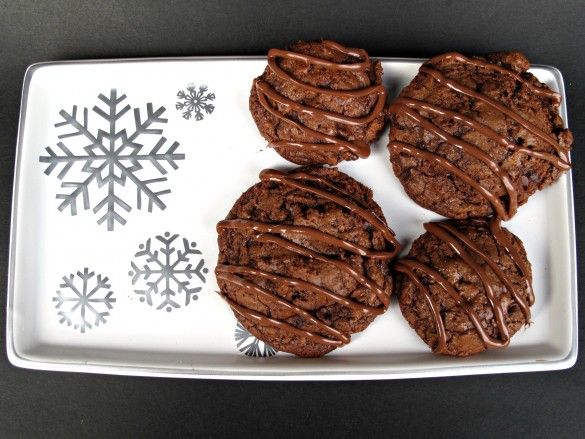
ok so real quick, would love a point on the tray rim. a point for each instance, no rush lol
(207, 373)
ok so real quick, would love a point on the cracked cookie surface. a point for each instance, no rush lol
(472, 137)
(465, 286)
(319, 102)
(304, 259)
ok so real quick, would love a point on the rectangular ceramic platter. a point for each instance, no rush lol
(222, 155)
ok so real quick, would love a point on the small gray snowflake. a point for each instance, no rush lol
(167, 271)
(250, 345)
(85, 301)
(195, 102)
(111, 157)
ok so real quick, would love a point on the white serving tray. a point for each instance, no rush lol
(112, 261)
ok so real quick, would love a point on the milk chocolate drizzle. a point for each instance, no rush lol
(325, 142)
(459, 241)
(412, 109)
(548, 93)
(276, 234)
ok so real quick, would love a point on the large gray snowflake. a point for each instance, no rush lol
(195, 102)
(167, 271)
(112, 157)
(84, 299)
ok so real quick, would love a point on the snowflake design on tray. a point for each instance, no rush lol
(126, 150)
(83, 299)
(195, 102)
(250, 345)
(167, 271)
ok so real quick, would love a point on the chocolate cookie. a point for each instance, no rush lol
(465, 286)
(473, 137)
(319, 102)
(304, 259)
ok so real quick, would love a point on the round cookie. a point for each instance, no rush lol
(319, 102)
(304, 259)
(465, 286)
(472, 137)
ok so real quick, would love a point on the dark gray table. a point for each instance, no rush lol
(44, 404)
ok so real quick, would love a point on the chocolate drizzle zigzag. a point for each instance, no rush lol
(465, 248)
(325, 142)
(271, 233)
(414, 109)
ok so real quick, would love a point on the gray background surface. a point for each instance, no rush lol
(47, 404)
